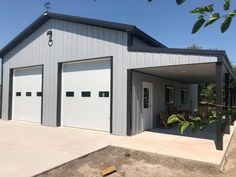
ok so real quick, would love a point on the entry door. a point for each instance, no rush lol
(86, 94)
(147, 105)
(27, 94)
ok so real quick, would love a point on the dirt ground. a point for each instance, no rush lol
(139, 164)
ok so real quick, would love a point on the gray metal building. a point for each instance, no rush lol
(71, 71)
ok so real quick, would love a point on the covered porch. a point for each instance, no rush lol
(164, 90)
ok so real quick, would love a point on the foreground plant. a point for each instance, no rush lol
(199, 123)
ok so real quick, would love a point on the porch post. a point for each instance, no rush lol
(129, 102)
(231, 95)
(219, 135)
(231, 100)
(234, 96)
(227, 128)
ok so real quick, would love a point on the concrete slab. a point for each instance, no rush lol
(147, 141)
(191, 148)
(27, 149)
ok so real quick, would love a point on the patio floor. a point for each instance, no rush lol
(169, 143)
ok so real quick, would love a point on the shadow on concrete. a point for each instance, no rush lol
(208, 133)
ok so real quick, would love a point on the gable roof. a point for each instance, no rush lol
(131, 29)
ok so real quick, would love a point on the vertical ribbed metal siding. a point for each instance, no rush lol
(145, 59)
(71, 42)
(159, 105)
(79, 41)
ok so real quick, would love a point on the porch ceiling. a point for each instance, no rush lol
(191, 74)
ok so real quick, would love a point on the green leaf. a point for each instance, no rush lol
(226, 24)
(183, 126)
(212, 121)
(180, 1)
(196, 118)
(214, 17)
(227, 21)
(198, 24)
(231, 14)
(198, 10)
(213, 113)
(209, 8)
(195, 127)
(180, 116)
(172, 119)
(227, 4)
(203, 10)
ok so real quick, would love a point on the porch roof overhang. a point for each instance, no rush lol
(189, 74)
(200, 70)
(196, 73)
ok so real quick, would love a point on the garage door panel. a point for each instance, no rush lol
(91, 112)
(86, 66)
(26, 102)
(86, 114)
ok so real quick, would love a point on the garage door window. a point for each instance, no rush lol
(103, 94)
(28, 93)
(18, 93)
(85, 94)
(39, 93)
(69, 94)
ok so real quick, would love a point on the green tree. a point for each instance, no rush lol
(234, 68)
(207, 93)
(194, 46)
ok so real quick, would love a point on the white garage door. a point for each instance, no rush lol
(86, 95)
(27, 94)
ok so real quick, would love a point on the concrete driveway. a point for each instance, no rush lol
(27, 149)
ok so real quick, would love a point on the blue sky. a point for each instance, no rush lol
(162, 19)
